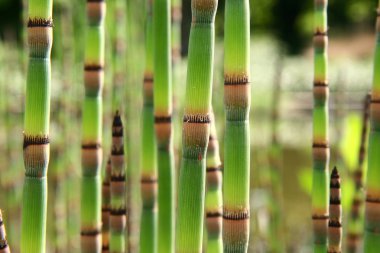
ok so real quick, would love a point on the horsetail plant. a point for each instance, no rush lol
(321, 151)
(118, 217)
(196, 128)
(355, 223)
(148, 152)
(36, 127)
(372, 206)
(213, 202)
(176, 11)
(335, 219)
(162, 97)
(106, 207)
(237, 99)
(92, 128)
(4, 248)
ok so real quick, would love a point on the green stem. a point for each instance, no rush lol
(196, 128)
(321, 151)
(92, 128)
(36, 127)
(237, 98)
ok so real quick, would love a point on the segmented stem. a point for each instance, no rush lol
(196, 128)
(106, 207)
(214, 198)
(163, 123)
(321, 151)
(36, 127)
(335, 220)
(118, 215)
(237, 100)
(148, 229)
(92, 128)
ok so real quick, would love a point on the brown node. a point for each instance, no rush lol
(40, 22)
(117, 188)
(321, 91)
(214, 223)
(320, 3)
(118, 220)
(197, 118)
(237, 95)
(176, 12)
(320, 151)
(235, 231)
(236, 215)
(91, 155)
(149, 191)
(93, 78)
(236, 79)
(320, 224)
(214, 176)
(204, 6)
(195, 135)
(320, 40)
(91, 241)
(95, 11)
(35, 140)
(375, 113)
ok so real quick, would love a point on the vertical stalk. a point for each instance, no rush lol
(196, 128)
(92, 128)
(372, 206)
(321, 151)
(4, 248)
(355, 225)
(214, 198)
(36, 127)
(176, 14)
(148, 152)
(106, 207)
(118, 218)
(237, 99)
(335, 220)
(163, 123)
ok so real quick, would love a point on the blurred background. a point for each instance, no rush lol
(282, 71)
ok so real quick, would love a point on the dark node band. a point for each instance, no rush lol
(198, 119)
(93, 67)
(236, 216)
(149, 180)
(94, 232)
(213, 169)
(372, 200)
(117, 120)
(214, 214)
(4, 246)
(320, 217)
(161, 120)
(321, 84)
(375, 101)
(95, 1)
(106, 184)
(243, 81)
(148, 79)
(320, 145)
(40, 22)
(118, 178)
(335, 224)
(320, 33)
(335, 201)
(92, 146)
(117, 151)
(105, 248)
(106, 209)
(334, 185)
(35, 140)
(117, 133)
(119, 212)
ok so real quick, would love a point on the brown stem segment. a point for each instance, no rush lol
(335, 220)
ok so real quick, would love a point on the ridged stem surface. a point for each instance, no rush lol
(163, 123)
(91, 240)
(214, 198)
(321, 151)
(36, 127)
(196, 128)
(148, 226)
(372, 206)
(237, 99)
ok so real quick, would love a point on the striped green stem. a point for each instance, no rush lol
(372, 207)
(196, 128)
(118, 217)
(237, 99)
(4, 247)
(321, 151)
(214, 198)
(92, 128)
(148, 224)
(106, 207)
(335, 219)
(355, 224)
(36, 127)
(163, 124)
